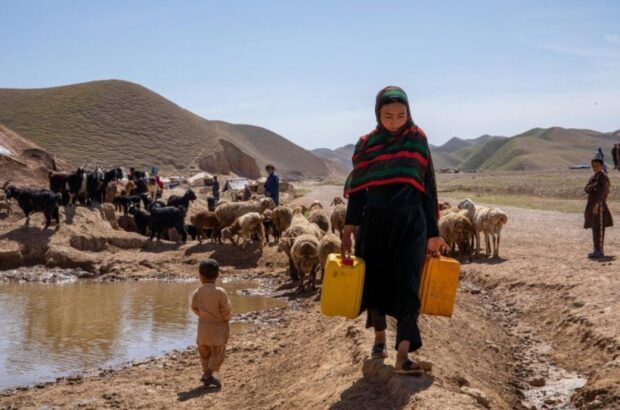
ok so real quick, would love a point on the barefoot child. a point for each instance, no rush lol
(213, 308)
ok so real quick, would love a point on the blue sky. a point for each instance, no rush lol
(309, 70)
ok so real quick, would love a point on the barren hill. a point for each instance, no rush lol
(118, 122)
(340, 155)
(24, 162)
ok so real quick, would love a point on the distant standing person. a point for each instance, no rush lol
(272, 184)
(599, 155)
(597, 215)
(216, 189)
(614, 155)
(214, 310)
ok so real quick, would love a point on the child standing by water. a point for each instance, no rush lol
(214, 310)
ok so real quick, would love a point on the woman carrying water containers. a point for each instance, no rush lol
(393, 212)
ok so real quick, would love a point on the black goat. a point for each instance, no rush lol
(168, 217)
(141, 217)
(69, 185)
(175, 200)
(192, 231)
(141, 186)
(108, 176)
(146, 200)
(126, 201)
(77, 183)
(156, 204)
(33, 200)
(94, 182)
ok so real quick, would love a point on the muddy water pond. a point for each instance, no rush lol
(51, 330)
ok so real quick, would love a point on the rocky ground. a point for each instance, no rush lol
(527, 329)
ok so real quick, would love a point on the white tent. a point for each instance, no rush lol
(5, 151)
(199, 178)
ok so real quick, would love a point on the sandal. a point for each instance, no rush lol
(211, 382)
(379, 351)
(410, 367)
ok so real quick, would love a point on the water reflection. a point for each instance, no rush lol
(48, 330)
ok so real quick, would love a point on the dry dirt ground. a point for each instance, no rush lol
(541, 310)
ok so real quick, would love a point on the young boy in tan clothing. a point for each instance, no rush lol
(214, 310)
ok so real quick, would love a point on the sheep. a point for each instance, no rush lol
(315, 205)
(486, 220)
(175, 200)
(268, 223)
(300, 209)
(112, 190)
(131, 188)
(32, 200)
(165, 218)
(281, 218)
(457, 230)
(330, 243)
(7, 206)
(443, 205)
(318, 216)
(108, 214)
(228, 212)
(305, 256)
(207, 221)
(337, 201)
(244, 227)
(337, 219)
(141, 217)
(299, 226)
(267, 203)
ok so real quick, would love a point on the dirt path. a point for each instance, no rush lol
(541, 309)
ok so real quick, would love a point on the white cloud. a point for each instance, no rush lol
(613, 39)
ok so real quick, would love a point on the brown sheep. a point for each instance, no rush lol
(319, 217)
(315, 205)
(130, 187)
(300, 209)
(457, 230)
(337, 201)
(228, 212)
(305, 255)
(206, 220)
(329, 243)
(280, 220)
(268, 224)
(244, 227)
(338, 217)
(299, 226)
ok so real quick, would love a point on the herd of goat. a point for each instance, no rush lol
(306, 234)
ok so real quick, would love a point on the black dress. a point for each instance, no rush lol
(395, 222)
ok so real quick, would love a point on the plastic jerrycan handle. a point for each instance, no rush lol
(347, 260)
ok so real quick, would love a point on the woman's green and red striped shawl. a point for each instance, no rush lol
(381, 158)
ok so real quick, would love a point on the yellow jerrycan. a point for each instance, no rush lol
(440, 279)
(343, 285)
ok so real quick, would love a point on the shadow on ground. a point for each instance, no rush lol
(381, 387)
(196, 392)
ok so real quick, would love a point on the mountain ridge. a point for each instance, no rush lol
(118, 122)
